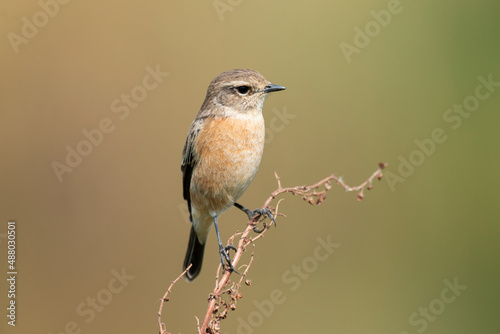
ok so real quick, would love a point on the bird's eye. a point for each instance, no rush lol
(243, 89)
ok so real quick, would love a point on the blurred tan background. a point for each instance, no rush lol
(119, 212)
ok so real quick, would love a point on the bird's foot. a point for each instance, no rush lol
(224, 257)
(255, 214)
(260, 212)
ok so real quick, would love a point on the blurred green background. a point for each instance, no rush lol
(121, 208)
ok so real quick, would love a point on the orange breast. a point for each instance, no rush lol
(228, 152)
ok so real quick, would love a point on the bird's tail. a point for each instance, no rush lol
(194, 256)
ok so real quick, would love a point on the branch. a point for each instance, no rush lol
(227, 293)
(309, 195)
(161, 324)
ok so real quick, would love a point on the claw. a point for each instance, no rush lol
(257, 212)
(261, 212)
(256, 229)
(224, 256)
(223, 251)
(268, 213)
(228, 247)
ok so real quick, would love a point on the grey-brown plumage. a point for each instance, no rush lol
(222, 154)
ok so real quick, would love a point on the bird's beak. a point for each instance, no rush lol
(273, 88)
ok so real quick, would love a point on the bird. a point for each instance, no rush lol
(221, 156)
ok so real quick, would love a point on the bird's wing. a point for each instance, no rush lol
(189, 160)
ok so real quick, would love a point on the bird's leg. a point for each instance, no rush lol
(223, 250)
(257, 212)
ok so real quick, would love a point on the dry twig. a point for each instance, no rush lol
(161, 324)
(227, 293)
